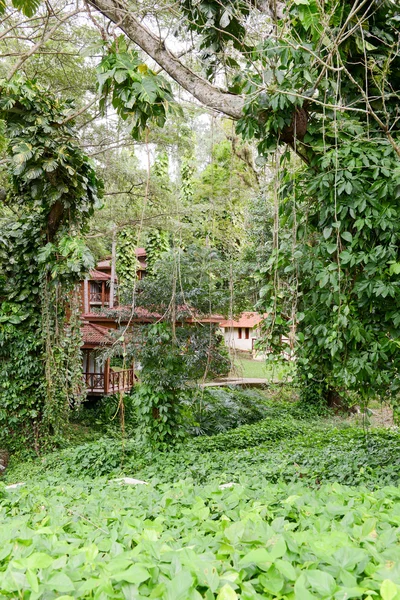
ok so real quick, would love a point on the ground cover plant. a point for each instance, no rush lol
(185, 541)
(286, 445)
(293, 506)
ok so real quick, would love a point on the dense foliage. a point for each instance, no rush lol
(137, 92)
(171, 358)
(287, 445)
(334, 273)
(52, 191)
(185, 541)
(214, 410)
(282, 527)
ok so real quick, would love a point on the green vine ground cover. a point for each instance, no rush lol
(185, 541)
(313, 512)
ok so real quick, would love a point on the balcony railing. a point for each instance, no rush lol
(99, 298)
(117, 381)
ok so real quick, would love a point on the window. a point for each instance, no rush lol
(95, 292)
(247, 333)
(240, 333)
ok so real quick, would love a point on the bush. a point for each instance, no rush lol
(215, 410)
(247, 436)
(104, 415)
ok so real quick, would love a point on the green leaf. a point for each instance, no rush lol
(389, 590)
(262, 557)
(39, 560)
(331, 248)
(27, 7)
(346, 235)
(135, 574)
(286, 568)
(179, 587)
(32, 580)
(323, 583)
(257, 557)
(60, 582)
(327, 232)
(394, 268)
(227, 593)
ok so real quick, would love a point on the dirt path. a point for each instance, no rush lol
(381, 416)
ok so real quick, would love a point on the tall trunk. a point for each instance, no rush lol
(113, 266)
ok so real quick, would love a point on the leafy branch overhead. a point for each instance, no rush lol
(137, 93)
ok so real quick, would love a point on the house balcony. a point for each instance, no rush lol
(111, 382)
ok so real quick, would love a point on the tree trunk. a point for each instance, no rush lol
(113, 266)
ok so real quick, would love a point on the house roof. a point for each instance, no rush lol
(123, 312)
(99, 275)
(246, 319)
(141, 313)
(95, 334)
(106, 262)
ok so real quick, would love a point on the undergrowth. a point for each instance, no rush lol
(102, 540)
(281, 447)
(283, 527)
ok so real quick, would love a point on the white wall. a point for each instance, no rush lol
(231, 337)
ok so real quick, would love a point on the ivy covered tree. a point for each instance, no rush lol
(52, 191)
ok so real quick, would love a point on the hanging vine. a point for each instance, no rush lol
(127, 262)
(52, 192)
(342, 202)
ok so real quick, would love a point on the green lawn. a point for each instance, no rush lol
(247, 367)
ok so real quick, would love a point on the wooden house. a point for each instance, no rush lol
(97, 297)
(101, 314)
(100, 378)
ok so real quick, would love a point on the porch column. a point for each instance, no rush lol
(106, 376)
(86, 296)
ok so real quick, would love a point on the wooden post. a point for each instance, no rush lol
(86, 308)
(113, 266)
(106, 376)
(102, 293)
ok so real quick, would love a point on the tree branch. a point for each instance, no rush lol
(209, 95)
(43, 40)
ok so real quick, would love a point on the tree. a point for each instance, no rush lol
(324, 80)
(52, 190)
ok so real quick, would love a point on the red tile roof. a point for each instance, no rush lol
(95, 334)
(114, 313)
(246, 319)
(143, 313)
(99, 275)
(106, 262)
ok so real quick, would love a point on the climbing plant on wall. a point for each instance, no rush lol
(52, 192)
(127, 263)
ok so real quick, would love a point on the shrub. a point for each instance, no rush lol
(215, 410)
